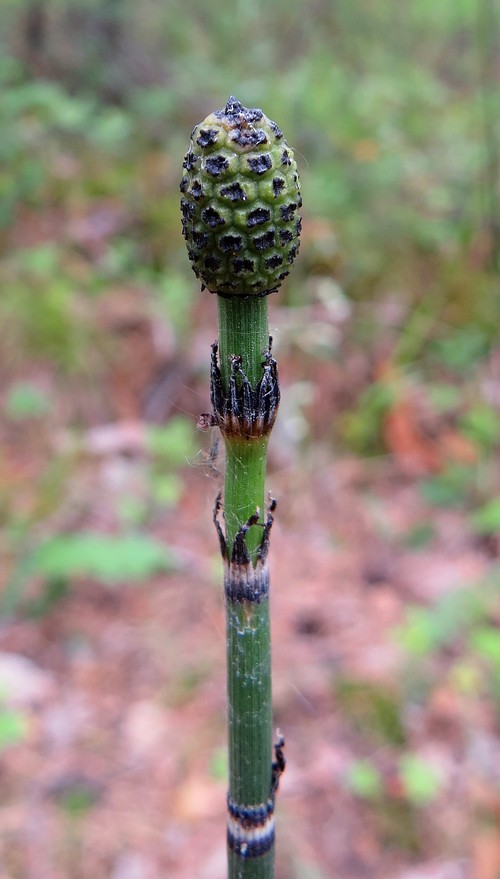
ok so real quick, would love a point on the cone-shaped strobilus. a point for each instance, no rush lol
(240, 218)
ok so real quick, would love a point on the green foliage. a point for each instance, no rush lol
(171, 444)
(486, 520)
(485, 641)
(463, 348)
(481, 423)
(422, 632)
(450, 488)
(445, 398)
(218, 765)
(459, 624)
(387, 152)
(420, 535)
(176, 294)
(361, 426)
(13, 727)
(372, 709)
(364, 779)
(39, 119)
(76, 795)
(388, 147)
(125, 557)
(77, 801)
(167, 489)
(111, 559)
(428, 629)
(25, 400)
(38, 307)
(419, 779)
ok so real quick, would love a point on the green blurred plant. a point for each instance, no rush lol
(419, 780)
(361, 426)
(461, 632)
(419, 783)
(41, 122)
(486, 519)
(126, 557)
(364, 779)
(402, 186)
(373, 710)
(169, 447)
(25, 401)
(110, 558)
(452, 487)
(57, 561)
(13, 726)
(397, 796)
(40, 310)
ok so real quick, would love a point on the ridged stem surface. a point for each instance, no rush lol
(243, 331)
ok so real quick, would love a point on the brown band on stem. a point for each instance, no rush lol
(244, 583)
(250, 843)
(245, 411)
(250, 829)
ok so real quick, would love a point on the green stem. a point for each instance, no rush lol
(244, 487)
(243, 331)
(249, 720)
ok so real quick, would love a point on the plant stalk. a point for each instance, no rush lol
(243, 330)
(244, 340)
(240, 201)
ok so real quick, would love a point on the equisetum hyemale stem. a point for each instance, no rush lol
(240, 207)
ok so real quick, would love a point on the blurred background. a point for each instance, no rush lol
(385, 458)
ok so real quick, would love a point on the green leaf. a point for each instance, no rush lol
(419, 779)
(133, 511)
(176, 292)
(364, 779)
(486, 641)
(167, 489)
(110, 128)
(421, 633)
(486, 520)
(426, 630)
(373, 709)
(450, 488)
(41, 260)
(77, 796)
(482, 425)
(463, 348)
(25, 400)
(112, 559)
(361, 426)
(218, 765)
(420, 535)
(172, 442)
(445, 398)
(13, 728)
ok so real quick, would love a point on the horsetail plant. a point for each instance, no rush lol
(240, 217)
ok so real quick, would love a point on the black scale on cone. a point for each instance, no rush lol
(240, 202)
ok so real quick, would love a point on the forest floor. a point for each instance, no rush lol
(393, 749)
